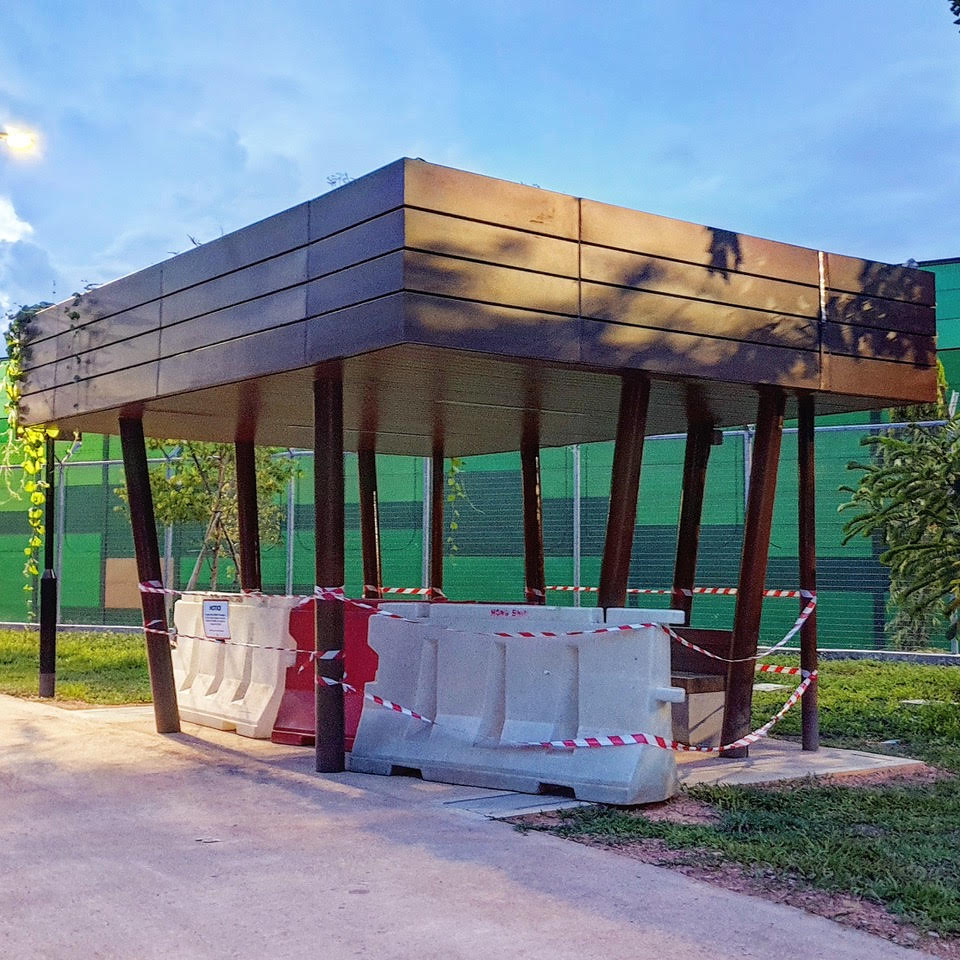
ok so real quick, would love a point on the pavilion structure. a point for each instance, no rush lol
(427, 311)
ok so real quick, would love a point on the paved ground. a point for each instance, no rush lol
(772, 760)
(117, 843)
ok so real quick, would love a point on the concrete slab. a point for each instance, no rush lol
(772, 761)
(514, 805)
(119, 843)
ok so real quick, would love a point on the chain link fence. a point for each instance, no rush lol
(484, 554)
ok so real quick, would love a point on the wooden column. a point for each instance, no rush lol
(696, 456)
(437, 494)
(144, 526)
(807, 524)
(753, 567)
(369, 523)
(534, 576)
(624, 487)
(328, 528)
(248, 516)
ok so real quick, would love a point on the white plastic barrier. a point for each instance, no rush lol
(227, 685)
(487, 692)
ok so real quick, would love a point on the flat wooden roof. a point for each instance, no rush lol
(461, 303)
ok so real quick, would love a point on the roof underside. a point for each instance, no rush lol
(460, 305)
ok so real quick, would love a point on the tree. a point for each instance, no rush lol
(199, 484)
(955, 10)
(909, 494)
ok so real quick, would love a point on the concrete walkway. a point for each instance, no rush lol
(118, 843)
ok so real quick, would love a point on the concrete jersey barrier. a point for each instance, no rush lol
(227, 685)
(487, 692)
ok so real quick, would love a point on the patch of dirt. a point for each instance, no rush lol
(778, 887)
(681, 809)
(892, 777)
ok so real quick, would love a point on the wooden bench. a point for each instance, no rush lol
(698, 720)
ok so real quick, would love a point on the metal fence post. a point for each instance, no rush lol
(425, 520)
(577, 520)
(61, 529)
(291, 530)
(747, 435)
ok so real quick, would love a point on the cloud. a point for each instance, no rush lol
(12, 228)
(27, 276)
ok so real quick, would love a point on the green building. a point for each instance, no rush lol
(947, 273)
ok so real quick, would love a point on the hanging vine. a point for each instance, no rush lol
(456, 491)
(25, 447)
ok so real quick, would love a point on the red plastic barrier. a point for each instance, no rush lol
(296, 718)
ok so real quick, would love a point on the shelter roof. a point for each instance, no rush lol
(460, 304)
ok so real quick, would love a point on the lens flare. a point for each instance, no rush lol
(18, 139)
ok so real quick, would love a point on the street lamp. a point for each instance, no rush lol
(18, 140)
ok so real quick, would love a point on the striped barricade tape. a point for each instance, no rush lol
(705, 591)
(155, 586)
(175, 635)
(612, 740)
(373, 698)
(790, 634)
(609, 740)
(408, 591)
(628, 739)
(337, 593)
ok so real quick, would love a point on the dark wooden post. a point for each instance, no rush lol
(807, 524)
(696, 456)
(624, 487)
(329, 513)
(369, 522)
(437, 494)
(144, 526)
(753, 567)
(534, 576)
(48, 585)
(248, 516)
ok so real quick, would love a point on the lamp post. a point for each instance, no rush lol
(48, 588)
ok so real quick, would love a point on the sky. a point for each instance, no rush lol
(830, 125)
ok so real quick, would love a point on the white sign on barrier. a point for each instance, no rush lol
(216, 619)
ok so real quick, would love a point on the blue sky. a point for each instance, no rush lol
(832, 125)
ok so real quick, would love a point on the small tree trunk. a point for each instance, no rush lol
(207, 534)
(214, 564)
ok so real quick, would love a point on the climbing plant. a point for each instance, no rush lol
(24, 449)
(456, 491)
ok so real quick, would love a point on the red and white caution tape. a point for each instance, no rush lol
(777, 668)
(175, 635)
(337, 593)
(613, 739)
(407, 591)
(155, 586)
(628, 739)
(790, 634)
(670, 591)
(373, 698)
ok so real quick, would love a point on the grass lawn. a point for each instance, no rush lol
(898, 845)
(91, 667)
